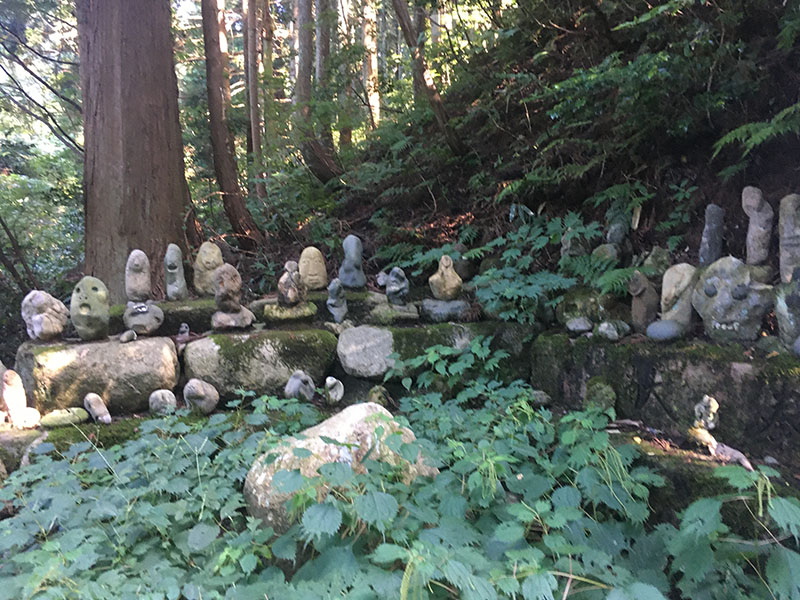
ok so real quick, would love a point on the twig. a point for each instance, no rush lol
(18, 251)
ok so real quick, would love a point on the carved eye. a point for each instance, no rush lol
(94, 288)
(710, 290)
(739, 292)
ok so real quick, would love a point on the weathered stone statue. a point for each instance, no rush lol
(14, 402)
(445, 284)
(677, 286)
(334, 391)
(312, 269)
(759, 230)
(336, 302)
(300, 386)
(173, 273)
(88, 308)
(397, 286)
(209, 258)
(227, 296)
(201, 395)
(162, 402)
(787, 309)
(44, 315)
(137, 277)
(351, 273)
(291, 287)
(143, 318)
(711, 242)
(789, 235)
(644, 305)
(706, 417)
(730, 301)
(96, 408)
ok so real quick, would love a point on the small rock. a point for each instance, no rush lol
(579, 325)
(227, 288)
(771, 461)
(440, 311)
(606, 252)
(379, 395)
(127, 336)
(242, 319)
(95, 406)
(337, 328)
(163, 402)
(658, 261)
(364, 351)
(612, 330)
(540, 398)
(334, 391)
(201, 395)
(300, 386)
(666, 330)
(600, 393)
(144, 318)
(64, 416)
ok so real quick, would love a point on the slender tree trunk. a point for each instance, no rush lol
(222, 142)
(253, 81)
(134, 186)
(417, 78)
(419, 65)
(369, 32)
(321, 57)
(268, 102)
(346, 99)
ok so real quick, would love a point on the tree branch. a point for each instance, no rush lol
(22, 43)
(33, 74)
(19, 254)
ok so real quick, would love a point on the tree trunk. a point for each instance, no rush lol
(322, 56)
(268, 102)
(134, 186)
(222, 142)
(421, 67)
(345, 99)
(369, 32)
(416, 76)
(253, 82)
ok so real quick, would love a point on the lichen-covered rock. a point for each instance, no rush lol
(441, 311)
(201, 395)
(356, 431)
(261, 361)
(162, 402)
(124, 375)
(64, 416)
(364, 351)
(385, 313)
(44, 315)
(275, 313)
(600, 393)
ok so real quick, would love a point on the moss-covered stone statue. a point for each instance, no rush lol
(89, 309)
(209, 258)
(174, 277)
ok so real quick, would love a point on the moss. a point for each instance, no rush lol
(549, 357)
(273, 313)
(600, 393)
(103, 436)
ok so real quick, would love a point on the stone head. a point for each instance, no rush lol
(353, 249)
(706, 413)
(137, 276)
(638, 284)
(312, 268)
(290, 267)
(173, 260)
(677, 279)
(730, 301)
(227, 287)
(209, 256)
(89, 308)
(445, 262)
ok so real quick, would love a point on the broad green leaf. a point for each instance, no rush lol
(201, 535)
(375, 508)
(248, 563)
(539, 586)
(287, 482)
(321, 519)
(783, 574)
(387, 553)
(786, 512)
(636, 591)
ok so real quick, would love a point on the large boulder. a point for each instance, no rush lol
(260, 361)
(60, 375)
(355, 430)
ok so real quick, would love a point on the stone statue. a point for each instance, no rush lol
(711, 242)
(173, 273)
(789, 235)
(351, 273)
(162, 402)
(677, 286)
(14, 402)
(300, 386)
(209, 257)
(336, 302)
(334, 391)
(95, 406)
(705, 419)
(227, 296)
(137, 277)
(291, 287)
(312, 269)
(644, 304)
(143, 318)
(396, 286)
(787, 309)
(445, 284)
(730, 301)
(201, 395)
(44, 315)
(88, 308)
(759, 230)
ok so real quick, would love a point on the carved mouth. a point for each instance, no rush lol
(84, 309)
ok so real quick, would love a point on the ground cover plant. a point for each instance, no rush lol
(527, 504)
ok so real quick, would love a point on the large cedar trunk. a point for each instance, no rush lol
(369, 33)
(134, 186)
(222, 143)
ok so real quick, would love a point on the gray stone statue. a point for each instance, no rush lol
(312, 269)
(759, 229)
(300, 386)
(705, 419)
(730, 301)
(201, 396)
(711, 242)
(351, 273)
(89, 308)
(644, 304)
(227, 296)
(44, 315)
(173, 273)
(396, 286)
(789, 235)
(787, 309)
(337, 302)
(143, 318)
(291, 288)
(209, 258)
(137, 277)
(677, 286)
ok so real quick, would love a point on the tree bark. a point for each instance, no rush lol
(321, 58)
(222, 141)
(253, 83)
(134, 186)
(369, 33)
(421, 67)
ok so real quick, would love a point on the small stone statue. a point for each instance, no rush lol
(137, 277)
(173, 273)
(334, 391)
(95, 406)
(143, 318)
(730, 301)
(227, 296)
(201, 395)
(711, 242)
(445, 284)
(396, 286)
(787, 309)
(351, 273)
(300, 386)
(705, 414)
(677, 286)
(759, 229)
(209, 258)
(291, 287)
(336, 302)
(162, 402)
(89, 308)
(312, 269)
(644, 305)
(44, 315)
(789, 235)
(14, 402)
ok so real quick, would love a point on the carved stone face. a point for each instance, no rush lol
(312, 269)
(730, 302)
(44, 316)
(445, 284)
(227, 288)
(209, 257)
(291, 288)
(88, 308)
(173, 273)
(397, 286)
(137, 276)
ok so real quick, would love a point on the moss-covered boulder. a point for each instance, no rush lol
(660, 384)
(59, 375)
(261, 361)
(14, 443)
(196, 313)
